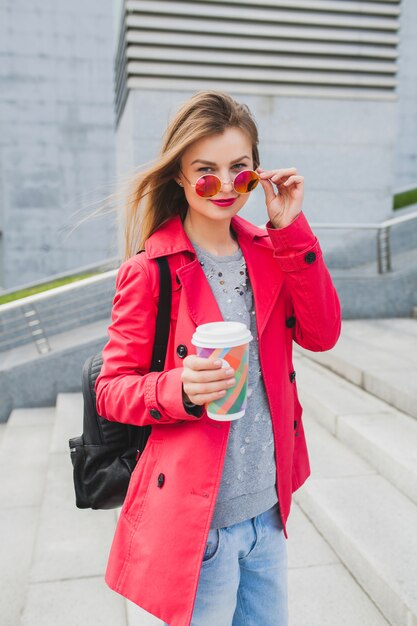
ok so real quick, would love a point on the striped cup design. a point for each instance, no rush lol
(235, 399)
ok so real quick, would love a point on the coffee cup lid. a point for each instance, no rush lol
(221, 335)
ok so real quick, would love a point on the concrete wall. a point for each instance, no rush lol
(345, 149)
(57, 146)
(406, 169)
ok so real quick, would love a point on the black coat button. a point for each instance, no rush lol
(182, 351)
(177, 280)
(310, 257)
(161, 480)
(290, 322)
(295, 424)
(292, 377)
(155, 414)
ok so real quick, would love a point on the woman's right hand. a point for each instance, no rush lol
(205, 380)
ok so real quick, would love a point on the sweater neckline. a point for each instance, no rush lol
(236, 256)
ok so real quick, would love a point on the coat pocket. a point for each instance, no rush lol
(212, 546)
(140, 481)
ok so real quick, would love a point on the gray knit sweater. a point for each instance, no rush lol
(248, 484)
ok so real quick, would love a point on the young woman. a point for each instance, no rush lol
(201, 537)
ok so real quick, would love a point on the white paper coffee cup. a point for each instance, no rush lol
(228, 341)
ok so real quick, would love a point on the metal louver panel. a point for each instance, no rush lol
(337, 48)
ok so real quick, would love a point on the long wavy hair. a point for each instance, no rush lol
(155, 196)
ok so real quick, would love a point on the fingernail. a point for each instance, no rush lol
(231, 382)
(230, 372)
(217, 362)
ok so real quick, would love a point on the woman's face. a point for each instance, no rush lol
(225, 156)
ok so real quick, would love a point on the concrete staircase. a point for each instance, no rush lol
(352, 541)
(362, 434)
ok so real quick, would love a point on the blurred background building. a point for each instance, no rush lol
(57, 141)
(87, 89)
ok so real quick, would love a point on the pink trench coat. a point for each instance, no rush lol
(162, 530)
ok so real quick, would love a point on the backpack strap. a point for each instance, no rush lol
(164, 316)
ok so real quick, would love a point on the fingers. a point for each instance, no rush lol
(201, 388)
(211, 372)
(206, 398)
(285, 177)
(268, 189)
(293, 180)
(277, 174)
(198, 363)
(205, 380)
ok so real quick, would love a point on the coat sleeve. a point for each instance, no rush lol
(315, 301)
(125, 389)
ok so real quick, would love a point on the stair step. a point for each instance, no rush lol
(71, 542)
(74, 602)
(387, 371)
(330, 595)
(321, 590)
(23, 464)
(395, 336)
(17, 535)
(330, 457)
(367, 521)
(70, 549)
(2, 430)
(380, 434)
(24, 456)
(32, 417)
(330, 396)
(69, 420)
(136, 616)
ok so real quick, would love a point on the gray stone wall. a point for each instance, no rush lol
(344, 148)
(57, 142)
(406, 167)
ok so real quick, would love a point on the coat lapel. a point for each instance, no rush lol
(264, 273)
(201, 303)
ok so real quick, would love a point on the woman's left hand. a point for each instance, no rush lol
(284, 205)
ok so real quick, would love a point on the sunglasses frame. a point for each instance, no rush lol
(242, 193)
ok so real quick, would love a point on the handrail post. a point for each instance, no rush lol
(384, 250)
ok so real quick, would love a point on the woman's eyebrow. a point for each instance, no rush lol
(212, 163)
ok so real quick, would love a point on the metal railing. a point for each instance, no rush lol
(101, 266)
(37, 318)
(383, 241)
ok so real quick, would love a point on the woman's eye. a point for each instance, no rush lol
(240, 166)
(204, 169)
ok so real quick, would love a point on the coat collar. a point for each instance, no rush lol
(171, 238)
(265, 277)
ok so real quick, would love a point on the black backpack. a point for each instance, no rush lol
(105, 455)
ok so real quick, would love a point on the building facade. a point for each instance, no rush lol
(332, 84)
(319, 76)
(57, 139)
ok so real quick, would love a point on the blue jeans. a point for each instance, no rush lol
(244, 575)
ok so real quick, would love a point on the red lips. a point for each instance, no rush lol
(226, 202)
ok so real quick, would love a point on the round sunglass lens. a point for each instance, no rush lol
(207, 186)
(246, 181)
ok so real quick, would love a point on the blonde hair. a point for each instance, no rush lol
(156, 197)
